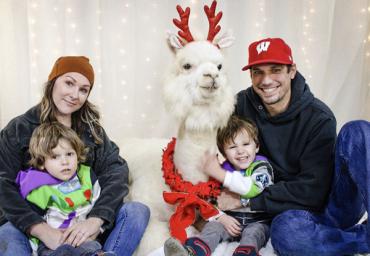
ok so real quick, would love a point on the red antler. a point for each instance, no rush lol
(213, 20)
(183, 23)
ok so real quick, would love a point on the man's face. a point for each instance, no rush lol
(272, 83)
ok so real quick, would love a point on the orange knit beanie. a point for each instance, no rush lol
(79, 64)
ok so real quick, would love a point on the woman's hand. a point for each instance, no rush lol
(228, 200)
(231, 225)
(51, 237)
(82, 231)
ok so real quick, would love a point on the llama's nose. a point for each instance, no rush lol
(214, 76)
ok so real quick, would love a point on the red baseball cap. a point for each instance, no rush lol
(269, 50)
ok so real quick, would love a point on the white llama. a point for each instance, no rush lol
(197, 94)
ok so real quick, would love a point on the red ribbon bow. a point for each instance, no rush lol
(184, 215)
(189, 196)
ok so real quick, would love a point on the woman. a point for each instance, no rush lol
(66, 100)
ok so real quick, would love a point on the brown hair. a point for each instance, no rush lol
(231, 130)
(46, 137)
(87, 114)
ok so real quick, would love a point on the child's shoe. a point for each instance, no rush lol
(245, 251)
(173, 247)
(193, 246)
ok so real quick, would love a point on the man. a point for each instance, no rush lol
(297, 135)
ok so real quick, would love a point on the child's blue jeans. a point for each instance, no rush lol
(334, 232)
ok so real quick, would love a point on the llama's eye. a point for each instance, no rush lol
(187, 66)
(219, 66)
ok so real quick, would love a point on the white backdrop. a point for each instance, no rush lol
(125, 40)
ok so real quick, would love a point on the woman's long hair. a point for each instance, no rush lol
(87, 114)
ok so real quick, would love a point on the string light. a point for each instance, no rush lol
(260, 24)
(125, 55)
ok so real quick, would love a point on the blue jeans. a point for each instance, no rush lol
(89, 248)
(130, 224)
(334, 232)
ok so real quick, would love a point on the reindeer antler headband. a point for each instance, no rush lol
(183, 23)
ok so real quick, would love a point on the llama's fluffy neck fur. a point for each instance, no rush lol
(197, 134)
(200, 111)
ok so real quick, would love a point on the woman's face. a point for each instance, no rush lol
(70, 92)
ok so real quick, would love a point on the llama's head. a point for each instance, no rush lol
(196, 88)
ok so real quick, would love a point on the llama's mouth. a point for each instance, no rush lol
(210, 88)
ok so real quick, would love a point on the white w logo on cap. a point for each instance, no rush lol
(263, 47)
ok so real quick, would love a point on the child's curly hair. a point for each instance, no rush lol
(46, 137)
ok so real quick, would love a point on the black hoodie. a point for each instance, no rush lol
(299, 144)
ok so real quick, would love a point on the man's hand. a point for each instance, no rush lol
(51, 237)
(88, 229)
(228, 200)
(231, 225)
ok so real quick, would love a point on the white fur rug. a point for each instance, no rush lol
(225, 249)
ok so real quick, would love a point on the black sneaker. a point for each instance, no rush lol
(245, 251)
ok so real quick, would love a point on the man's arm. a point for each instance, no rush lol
(310, 187)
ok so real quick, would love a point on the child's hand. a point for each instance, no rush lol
(211, 166)
(231, 225)
(209, 162)
(51, 237)
(88, 229)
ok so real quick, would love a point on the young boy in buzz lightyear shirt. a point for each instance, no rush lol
(245, 173)
(61, 187)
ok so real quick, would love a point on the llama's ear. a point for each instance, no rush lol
(225, 40)
(174, 41)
